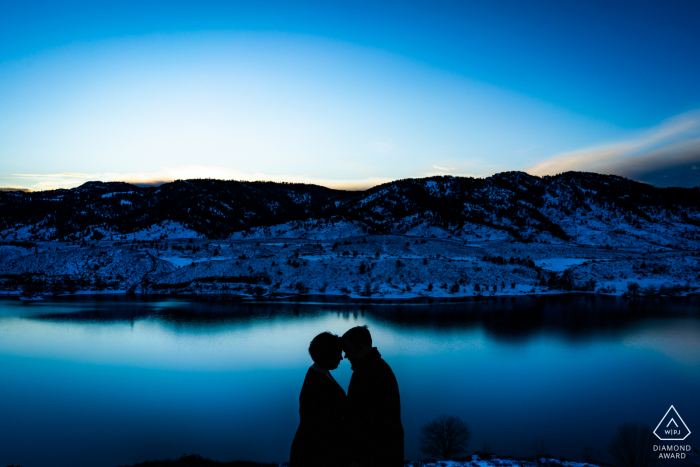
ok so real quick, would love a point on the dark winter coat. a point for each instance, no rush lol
(319, 439)
(373, 420)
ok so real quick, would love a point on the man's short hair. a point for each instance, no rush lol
(325, 346)
(359, 335)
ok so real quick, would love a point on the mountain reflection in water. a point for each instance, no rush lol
(114, 380)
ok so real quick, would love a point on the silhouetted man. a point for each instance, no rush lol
(373, 418)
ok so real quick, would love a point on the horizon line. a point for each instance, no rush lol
(157, 183)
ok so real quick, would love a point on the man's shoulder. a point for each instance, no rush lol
(383, 363)
(378, 368)
(386, 370)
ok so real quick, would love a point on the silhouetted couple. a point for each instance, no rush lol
(363, 429)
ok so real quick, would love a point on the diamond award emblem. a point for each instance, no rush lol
(672, 427)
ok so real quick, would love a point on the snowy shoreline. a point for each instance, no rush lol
(338, 299)
(308, 258)
(376, 267)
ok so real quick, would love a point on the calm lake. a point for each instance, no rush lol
(108, 381)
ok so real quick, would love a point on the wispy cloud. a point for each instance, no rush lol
(528, 149)
(673, 143)
(61, 174)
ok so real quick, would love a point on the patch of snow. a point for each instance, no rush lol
(180, 261)
(109, 195)
(560, 264)
(167, 230)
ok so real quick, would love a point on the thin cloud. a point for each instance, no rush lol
(444, 169)
(528, 149)
(61, 174)
(673, 143)
(455, 172)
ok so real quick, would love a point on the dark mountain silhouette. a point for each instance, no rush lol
(515, 202)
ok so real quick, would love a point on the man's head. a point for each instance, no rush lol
(326, 349)
(357, 343)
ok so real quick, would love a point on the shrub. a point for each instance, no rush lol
(632, 446)
(445, 437)
(590, 455)
(541, 449)
(633, 289)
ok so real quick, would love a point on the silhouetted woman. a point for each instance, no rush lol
(319, 441)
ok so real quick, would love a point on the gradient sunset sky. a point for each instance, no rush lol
(346, 94)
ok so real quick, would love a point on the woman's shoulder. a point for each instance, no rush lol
(316, 381)
(314, 378)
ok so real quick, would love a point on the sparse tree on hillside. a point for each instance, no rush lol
(632, 446)
(445, 437)
(590, 455)
(541, 449)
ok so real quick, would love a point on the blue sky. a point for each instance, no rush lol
(346, 94)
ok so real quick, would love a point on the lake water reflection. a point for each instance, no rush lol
(108, 381)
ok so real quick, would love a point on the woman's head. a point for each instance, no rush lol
(326, 349)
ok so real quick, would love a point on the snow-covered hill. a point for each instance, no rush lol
(509, 234)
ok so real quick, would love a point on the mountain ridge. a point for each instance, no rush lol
(522, 206)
